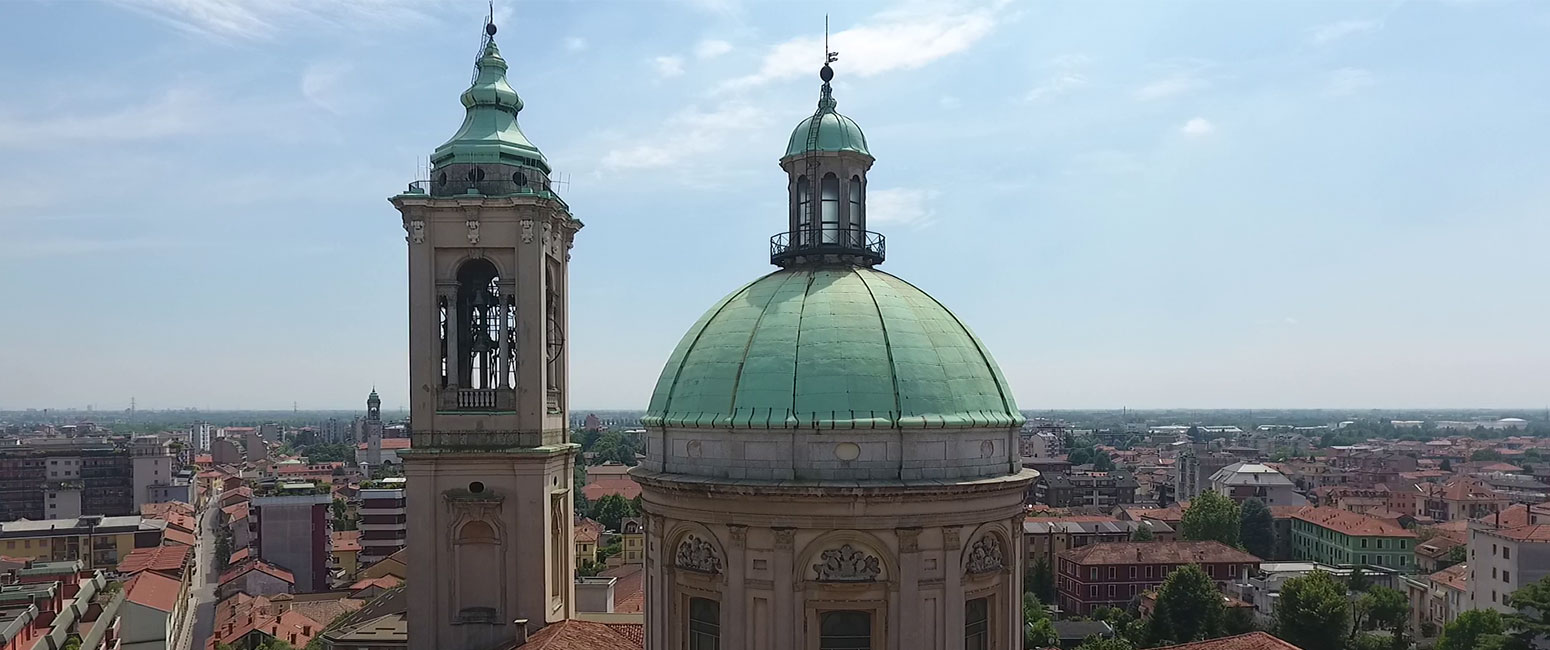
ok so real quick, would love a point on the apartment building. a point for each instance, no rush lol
(97, 542)
(1112, 574)
(1506, 551)
(291, 526)
(1044, 538)
(382, 522)
(1341, 537)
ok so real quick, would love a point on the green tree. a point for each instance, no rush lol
(1038, 631)
(1211, 516)
(329, 453)
(1313, 613)
(1189, 608)
(1486, 454)
(1142, 533)
(1103, 462)
(1475, 629)
(1532, 620)
(1386, 608)
(1359, 580)
(610, 510)
(1099, 643)
(1257, 529)
(1447, 465)
(1456, 555)
(1041, 580)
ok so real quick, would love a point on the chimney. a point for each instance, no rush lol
(521, 637)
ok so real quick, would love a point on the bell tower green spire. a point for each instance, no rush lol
(489, 154)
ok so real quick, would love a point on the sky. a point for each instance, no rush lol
(1133, 204)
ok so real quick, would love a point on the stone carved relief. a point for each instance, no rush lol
(784, 538)
(985, 555)
(847, 564)
(417, 231)
(739, 535)
(950, 538)
(473, 230)
(527, 231)
(696, 554)
(909, 539)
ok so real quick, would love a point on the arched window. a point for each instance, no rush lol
(845, 630)
(804, 211)
(478, 587)
(478, 324)
(857, 213)
(830, 217)
(704, 624)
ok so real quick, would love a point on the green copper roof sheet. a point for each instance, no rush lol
(835, 132)
(830, 347)
(489, 133)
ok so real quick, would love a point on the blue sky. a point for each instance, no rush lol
(1143, 204)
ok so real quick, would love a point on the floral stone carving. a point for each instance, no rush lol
(696, 554)
(847, 564)
(985, 555)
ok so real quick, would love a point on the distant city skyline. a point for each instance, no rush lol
(1208, 205)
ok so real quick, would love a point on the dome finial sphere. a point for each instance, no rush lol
(826, 73)
(489, 28)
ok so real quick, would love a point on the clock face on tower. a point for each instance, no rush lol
(554, 335)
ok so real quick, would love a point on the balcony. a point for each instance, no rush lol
(482, 400)
(391, 527)
(531, 184)
(369, 512)
(788, 247)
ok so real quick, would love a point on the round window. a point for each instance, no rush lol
(476, 487)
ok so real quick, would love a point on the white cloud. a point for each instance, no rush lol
(694, 132)
(1065, 76)
(903, 39)
(711, 48)
(1346, 81)
(900, 206)
(1325, 34)
(260, 19)
(1197, 127)
(1171, 86)
(575, 44)
(321, 85)
(668, 66)
(177, 112)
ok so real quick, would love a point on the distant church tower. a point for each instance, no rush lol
(371, 429)
(831, 455)
(489, 475)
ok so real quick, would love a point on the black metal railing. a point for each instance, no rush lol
(487, 187)
(871, 247)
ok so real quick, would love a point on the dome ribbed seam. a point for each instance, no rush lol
(753, 332)
(893, 370)
(667, 406)
(1011, 410)
(796, 347)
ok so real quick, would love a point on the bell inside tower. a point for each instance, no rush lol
(484, 341)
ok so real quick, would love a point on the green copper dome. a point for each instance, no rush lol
(490, 133)
(830, 346)
(835, 132)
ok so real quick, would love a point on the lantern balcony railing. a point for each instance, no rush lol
(499, 187)
(786, 247)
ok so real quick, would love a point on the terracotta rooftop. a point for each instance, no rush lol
(588, 531)
(345, 540)
(1157, 553)
(179, 536)
(384, 582)
(157, 509)
(629, 588)
(1250, 641)
(153, 590)
(1172, 514)
(240, 555)
(1351, 523)
(257, 565)
(598, 487)
(167, 558)
(1285, 512)
(576, 634)
(1455, 576)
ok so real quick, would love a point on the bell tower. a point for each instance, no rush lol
(490, 469)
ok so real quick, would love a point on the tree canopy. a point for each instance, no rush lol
(1211, 516)
(1482, 629)
(1142, 533)
(1257, 529)
(611, 510)
(1532, 620)
(1313, 613)
(1041, 580)
(1189, 608)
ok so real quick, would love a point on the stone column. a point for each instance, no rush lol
(734, 599)
(656, 592)
(952, 588)
(454, 330)
(786, 623)
(910, 610)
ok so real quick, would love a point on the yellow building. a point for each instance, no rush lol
(344, 553)
(588, 534)
(98, 542)
(634, 534)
